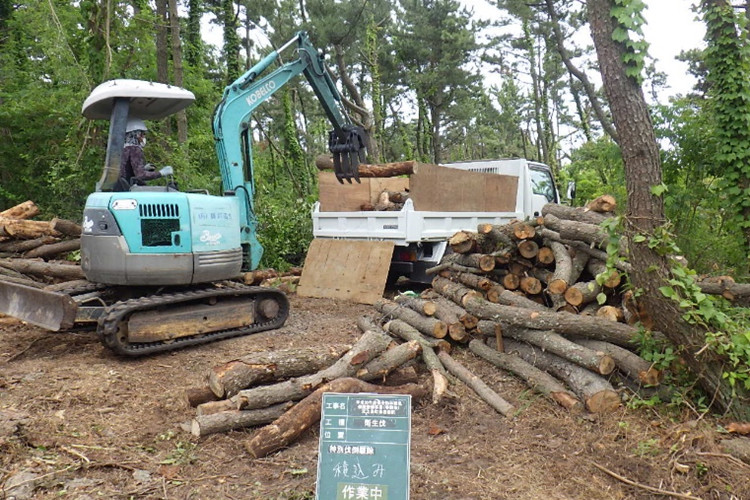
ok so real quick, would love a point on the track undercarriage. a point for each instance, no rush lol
(136, 321)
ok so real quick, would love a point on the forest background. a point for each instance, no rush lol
(409, 71)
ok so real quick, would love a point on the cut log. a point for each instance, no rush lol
(260, 275)
(47, 269)
(25, 210)
(404, 374)
(204, 425)
(582, 293)
(474, 281)
(476, 384)
(509, 298)
(728, 289)
(454, 291)
(228, 379)
(598, 394)
(627, 362)
(422, 306)
(211, 407)
(325, 162)
(66, 227)
(561, 276)
(511, 281)
(463, 242)
(604, 203)
(448, 309)
(574, 352)
(480, 261)
(528, 249)
(610, 313)
(389, 360)
(429, 326)
(369, 345)
(535, 378)
(545, 256)
(54, 249)
(564, 324)
(609, 278)
(195, 396)
(580, 231)
(531, 285)
(409, 333)
(26, 229)
(291, 425)
(21, 246)
(578, 214)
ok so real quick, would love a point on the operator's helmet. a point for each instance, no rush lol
(135, 124)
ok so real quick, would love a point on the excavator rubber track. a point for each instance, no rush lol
(112, 325)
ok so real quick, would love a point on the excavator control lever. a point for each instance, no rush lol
(348, 150)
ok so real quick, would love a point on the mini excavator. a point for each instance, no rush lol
(161, 264)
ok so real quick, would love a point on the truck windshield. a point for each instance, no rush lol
(542, 184)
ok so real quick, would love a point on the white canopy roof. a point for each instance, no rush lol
(148, 100)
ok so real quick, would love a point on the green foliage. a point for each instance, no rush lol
(285, 229)
(597, 168)
(727, 57)
(629, 20)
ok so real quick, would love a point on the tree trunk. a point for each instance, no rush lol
(25, 210)
(66, 272)
(627, 362)
(53, 249)
(290, 426)
(645, 213)
(174, 27)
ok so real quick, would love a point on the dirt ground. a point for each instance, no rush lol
(77, 422)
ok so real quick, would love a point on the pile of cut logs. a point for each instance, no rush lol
(533, 298)
(28, 248)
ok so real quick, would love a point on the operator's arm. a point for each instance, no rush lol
(138, 162)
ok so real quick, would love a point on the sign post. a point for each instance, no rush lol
(364, 447)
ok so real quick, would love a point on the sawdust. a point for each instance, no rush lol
(81, 423)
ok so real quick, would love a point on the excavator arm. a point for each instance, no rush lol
(232, 126)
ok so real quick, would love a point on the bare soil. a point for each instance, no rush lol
(77, 422)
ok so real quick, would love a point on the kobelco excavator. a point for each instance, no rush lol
(160, 263)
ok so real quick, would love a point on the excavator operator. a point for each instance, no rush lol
(133, 166)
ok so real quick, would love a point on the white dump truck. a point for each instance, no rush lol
(442, 201)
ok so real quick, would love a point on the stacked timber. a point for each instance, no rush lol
(281, 391)
(32, 251)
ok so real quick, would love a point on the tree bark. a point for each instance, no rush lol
(645, 213)
(292, 424)
(409, 333)
(228, 379)
(422, 306)
(26, 229)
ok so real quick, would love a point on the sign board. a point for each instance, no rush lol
(364, 447)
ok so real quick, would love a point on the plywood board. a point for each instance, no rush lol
(337, 197)
(346, 269)
(444, 189)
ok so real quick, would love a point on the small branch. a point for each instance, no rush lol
(643, 486)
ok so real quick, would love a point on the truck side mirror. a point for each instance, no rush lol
(571, 194)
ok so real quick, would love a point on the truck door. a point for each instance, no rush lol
(543, 189)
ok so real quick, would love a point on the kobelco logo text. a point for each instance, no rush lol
(260, 93)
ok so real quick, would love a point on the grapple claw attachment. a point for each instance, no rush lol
(348, 150)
